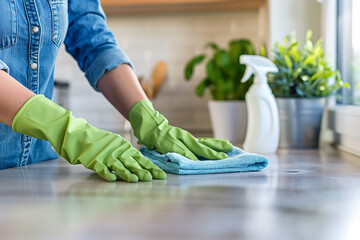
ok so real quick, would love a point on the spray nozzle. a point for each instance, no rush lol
(257, 65)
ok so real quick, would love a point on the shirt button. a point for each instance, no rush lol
(33, 66)
(35, 29)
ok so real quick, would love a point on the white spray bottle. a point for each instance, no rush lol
(262, 135)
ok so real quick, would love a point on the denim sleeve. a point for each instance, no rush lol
(90, 41)
(4, 67)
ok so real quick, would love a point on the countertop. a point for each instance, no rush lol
(302, 194)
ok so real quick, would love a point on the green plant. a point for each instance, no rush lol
(303, 72)
(223, 71)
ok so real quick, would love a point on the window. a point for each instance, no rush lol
(344, 118)
(348, 49)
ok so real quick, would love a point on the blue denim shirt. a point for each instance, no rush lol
(31, 32)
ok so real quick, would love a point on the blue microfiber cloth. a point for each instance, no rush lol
(238, 161)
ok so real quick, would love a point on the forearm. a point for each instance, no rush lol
(122, 88)
(12, 96)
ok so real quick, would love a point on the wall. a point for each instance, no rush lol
(173, 39)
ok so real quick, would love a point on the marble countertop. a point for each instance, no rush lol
(302, 194)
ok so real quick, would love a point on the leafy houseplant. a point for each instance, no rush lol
(223, 75)
(303, 72)
(304, 80)
(223, 71)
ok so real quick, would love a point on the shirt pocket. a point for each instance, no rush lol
(59, 18)
(9, 23)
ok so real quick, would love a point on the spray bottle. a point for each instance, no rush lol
(262, 133)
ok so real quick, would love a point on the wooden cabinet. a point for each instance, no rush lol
(168, 6)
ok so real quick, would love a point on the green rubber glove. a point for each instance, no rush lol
(153, 130)
(78, 142)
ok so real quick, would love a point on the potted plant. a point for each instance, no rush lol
(222, 79)
(304, 81)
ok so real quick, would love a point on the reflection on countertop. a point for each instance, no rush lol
(302, 194)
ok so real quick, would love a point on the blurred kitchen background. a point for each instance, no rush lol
(175, 31)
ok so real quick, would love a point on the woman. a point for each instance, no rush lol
(32, 126)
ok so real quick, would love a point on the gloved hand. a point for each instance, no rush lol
(153, 130)
(78, 142)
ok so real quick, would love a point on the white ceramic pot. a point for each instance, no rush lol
(228, 120)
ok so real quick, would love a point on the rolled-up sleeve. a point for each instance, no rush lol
(91, 42)
(3, 66)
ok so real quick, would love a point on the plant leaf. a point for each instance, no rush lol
(200, 88)
(213, 46)
(288, 61)
(309, 35)
(213, 71)
(317, 74)
(239, 47)
(263, 51)
(222, 58)
(309, 60)
(189, 68)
